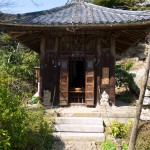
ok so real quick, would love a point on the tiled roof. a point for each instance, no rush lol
(83, 14)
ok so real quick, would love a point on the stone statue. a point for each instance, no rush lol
(47, 98)
(104, 101)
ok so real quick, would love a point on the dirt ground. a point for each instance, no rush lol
(75, 145)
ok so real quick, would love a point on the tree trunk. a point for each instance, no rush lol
(139, 107)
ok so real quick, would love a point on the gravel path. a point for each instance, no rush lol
(74, 145)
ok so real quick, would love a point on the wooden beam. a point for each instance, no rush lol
(99, 47)
(112, 71)
(42, 65)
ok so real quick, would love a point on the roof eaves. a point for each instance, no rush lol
(142, 23)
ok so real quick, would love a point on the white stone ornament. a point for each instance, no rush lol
(104, 101)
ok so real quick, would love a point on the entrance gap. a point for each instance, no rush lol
(77, 81)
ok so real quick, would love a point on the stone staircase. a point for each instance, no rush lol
(79, 128)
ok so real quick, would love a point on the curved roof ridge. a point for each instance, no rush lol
(81, 13)
(143, 13)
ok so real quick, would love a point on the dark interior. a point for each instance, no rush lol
(76, 80)
(76, 74)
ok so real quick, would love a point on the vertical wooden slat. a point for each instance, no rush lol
(42, 65)
(89, 83)
(55, 99)
(98, 71)
(112, 71)
(64, 82)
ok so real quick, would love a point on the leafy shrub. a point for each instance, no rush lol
(128, 65)
(111, 145)
(119, 130)
(39, 133)
(22, 129)
(125, 79)
(17, 67)
(108, 145)
(125, 146)
(12, 119)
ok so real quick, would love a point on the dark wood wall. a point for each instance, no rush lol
(98, 50)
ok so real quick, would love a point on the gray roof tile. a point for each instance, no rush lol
(81, 13)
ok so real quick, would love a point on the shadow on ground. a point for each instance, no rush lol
(58, 144)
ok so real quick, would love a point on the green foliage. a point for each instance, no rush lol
(108, 145)
(127, 65)
(17, 60)
(17, 67)
(125, 79)
(4, 139)
(113, 3)
(118, 130)
(11, 120)
(22, 129)
(123, 4)
(39, 131)
(143, 138)
(125, 146)
(111, 145)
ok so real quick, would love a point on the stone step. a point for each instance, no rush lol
(100, 137)
(72, 114)
(79, 120)
(79, 128)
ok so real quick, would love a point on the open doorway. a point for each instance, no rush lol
(77, 81)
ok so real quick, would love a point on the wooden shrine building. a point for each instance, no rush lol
(77, 44)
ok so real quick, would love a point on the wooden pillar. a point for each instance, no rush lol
(42, 66)
(112, 71)
(98, 71)
(56, 77)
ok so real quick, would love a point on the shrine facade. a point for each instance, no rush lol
(77, 44)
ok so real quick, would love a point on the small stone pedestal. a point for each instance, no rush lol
(47, 98)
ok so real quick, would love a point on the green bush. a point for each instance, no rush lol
(39, 133)
(108, 145)
(128, 65)
(125, 79)
(17, 67)
(117, 130)
(12, 119)
(22, 129)
(111, 145)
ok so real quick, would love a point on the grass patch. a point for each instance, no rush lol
(143, 138)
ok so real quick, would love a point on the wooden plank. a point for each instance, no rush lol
(105, 75)
(89, 83)
(64, 79)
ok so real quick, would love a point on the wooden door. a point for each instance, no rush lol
(89, 83)
(64, 83)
